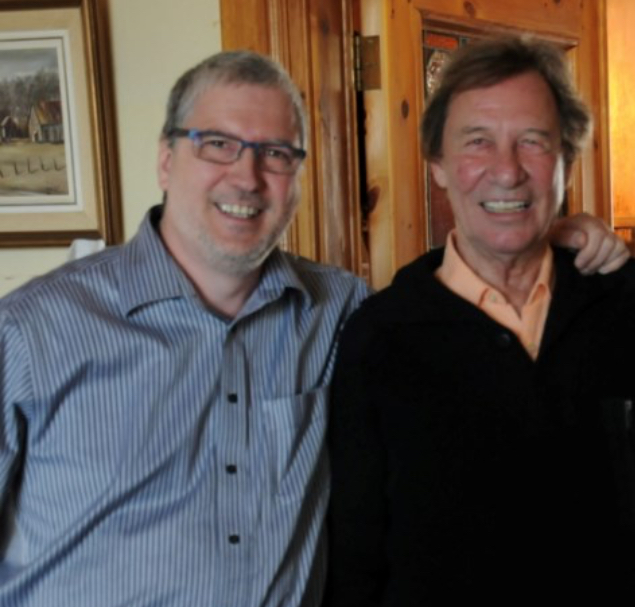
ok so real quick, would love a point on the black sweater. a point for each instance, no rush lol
(462, 469)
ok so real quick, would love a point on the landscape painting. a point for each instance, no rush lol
(36, 166)
(59, 166)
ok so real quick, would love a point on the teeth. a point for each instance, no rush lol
(505, 206)
(238, 211)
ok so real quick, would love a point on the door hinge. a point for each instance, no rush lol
(367, 66)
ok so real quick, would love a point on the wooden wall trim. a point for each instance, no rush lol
(398, 223)
(310, 38)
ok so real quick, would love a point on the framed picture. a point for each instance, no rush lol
(59, 176)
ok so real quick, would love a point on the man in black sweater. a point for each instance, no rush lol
(481, 439)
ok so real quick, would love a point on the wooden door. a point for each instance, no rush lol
(399, 227)
(621, 75)
(312, 39)
(365, 189)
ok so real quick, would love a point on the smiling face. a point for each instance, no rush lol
(227, 217)
(503, 169)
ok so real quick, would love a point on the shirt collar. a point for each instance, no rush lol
(455, 274)
(150, 274)
(279, 274)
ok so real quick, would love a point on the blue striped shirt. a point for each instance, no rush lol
(155, 454)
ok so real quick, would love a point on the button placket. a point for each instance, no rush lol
(231, 441)
(504, 340)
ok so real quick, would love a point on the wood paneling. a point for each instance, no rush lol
(311, 39)
(397, 223)
(398, 231)
(558, 16)
(621, 54)
(245, 25)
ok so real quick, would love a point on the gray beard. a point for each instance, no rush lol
(241, 264)
(238, 264)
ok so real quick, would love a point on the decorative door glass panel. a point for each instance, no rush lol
(437, 49)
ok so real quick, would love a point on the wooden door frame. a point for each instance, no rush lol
(400, 223)
(313, 39)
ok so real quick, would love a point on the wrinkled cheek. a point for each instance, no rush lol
(468, 174)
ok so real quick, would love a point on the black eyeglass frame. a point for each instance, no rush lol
(197, 135)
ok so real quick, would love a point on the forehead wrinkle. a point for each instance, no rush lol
(468, 130)
(547, 134)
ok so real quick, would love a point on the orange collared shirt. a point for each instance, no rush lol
(457, 276)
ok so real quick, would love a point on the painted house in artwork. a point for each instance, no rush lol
(45, 122)
(13, 125)
(9, 128)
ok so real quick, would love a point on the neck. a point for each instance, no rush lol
(222, 291)
(226, 294)
(513, 275)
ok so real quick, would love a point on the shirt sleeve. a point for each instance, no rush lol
(15, 387)
(357, 513)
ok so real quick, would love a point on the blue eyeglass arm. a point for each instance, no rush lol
(195, 135)
(192, 134)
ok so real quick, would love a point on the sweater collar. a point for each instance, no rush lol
(416, 294)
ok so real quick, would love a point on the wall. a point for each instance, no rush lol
(153, 42)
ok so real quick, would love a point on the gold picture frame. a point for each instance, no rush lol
(59, 175)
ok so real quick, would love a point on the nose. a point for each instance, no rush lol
(245, 171)
(506, 169)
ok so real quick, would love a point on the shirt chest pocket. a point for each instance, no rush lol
(295, 428)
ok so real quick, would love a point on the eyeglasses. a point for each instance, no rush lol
(212, 146)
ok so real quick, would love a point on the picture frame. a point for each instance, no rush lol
(59, 173)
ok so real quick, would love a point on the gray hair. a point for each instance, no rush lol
(489, 62)
(230, 67)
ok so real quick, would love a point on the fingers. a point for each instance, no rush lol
(616, 262)
(593, 253)
(600, 250)
(573, 233)
(603, 252)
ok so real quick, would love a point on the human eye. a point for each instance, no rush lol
(279, 153)
(536, 143)
(277, 157)
(217, 142)
(216, 147)
(477, 143)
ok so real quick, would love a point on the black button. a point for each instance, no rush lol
(234, 539)
(231, 468)
(232, 397)
(503, 341)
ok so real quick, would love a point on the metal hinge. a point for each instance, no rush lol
(367, 67)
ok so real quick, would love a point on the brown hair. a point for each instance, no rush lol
(489, 62)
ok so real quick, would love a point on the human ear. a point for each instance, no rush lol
(164, 164)
(438, 172)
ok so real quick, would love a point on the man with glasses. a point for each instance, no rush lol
(163, 403)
